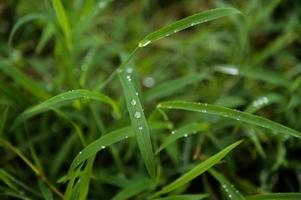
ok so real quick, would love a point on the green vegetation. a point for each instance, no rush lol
(158, 100)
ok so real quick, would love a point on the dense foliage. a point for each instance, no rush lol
(150, 99)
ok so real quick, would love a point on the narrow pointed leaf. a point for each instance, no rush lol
(138, 121)
(182, 132)
(229, 189)
(197, 170)
(232, 114)
(187, 22)
(63, 99)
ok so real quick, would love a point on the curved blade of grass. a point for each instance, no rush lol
(255, 73)
(23, 80)
(63, 21)
(230, 113)
(184, 197)
(138, 121)
(3, 117)
(275, 196)
(63, 99)
(182, 132)
(190, 21)
(101, 143)
(169, 87)
(197, 170)
(105, 141)
(230, 190)
(133, 189)
(23, 20)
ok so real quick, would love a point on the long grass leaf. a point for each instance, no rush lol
(187, 22)
(23, 20)
(230, 190)
(138, 121)
(63, 20)
(232, 114)
(63, 99)
(275, 196)
(197, 170)
(182, 132)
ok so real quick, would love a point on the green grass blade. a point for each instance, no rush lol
(23, 20)
(100, 144)
(63, 99)
(256, 74)
(232, 114)
(187, 22)
(133, 189)
(3, 117)
(197, 170)
(275, 196)
(63, 20)
(184, 197)
(23, 80)
(230, 190)
(182, 132)
(170, 87)
(139, 123)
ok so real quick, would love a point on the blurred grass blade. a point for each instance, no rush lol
(23, 80)
(14, 183)
(3, 117)
(138, 121)
(184, 197)
(230, 190)
(134, 189)
(197, 170)
(63, 20)
(85, 179)
(46, 192)
(274, 47)
(275, 196)
(182, 132)
(255, 73)
(170, 87)
(63, 99)
(187, 22)
(232, 114)
(23, 20)
(262, 101)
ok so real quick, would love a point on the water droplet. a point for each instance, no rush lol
(185, 135)
(79, 152)
(129, 78)
(133, 102)
(129, 70)
(137, 114)
(126, 137)
(137, 93)
(143, 43)
(103, 147)
(149, 82)
(229, 70)
(193, 23)
(230, 196)
(140, 128)
(102, 4)
(173, 132)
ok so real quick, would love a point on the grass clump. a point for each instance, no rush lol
(205, 106)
